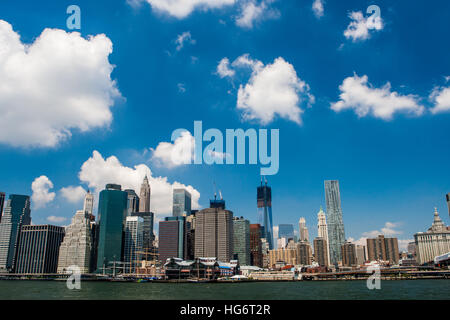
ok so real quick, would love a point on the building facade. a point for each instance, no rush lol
(286, 231)
(304, 253)
(16, 214)
(321, 251)
(181, 203)
(264, 204)
(172, 238)
(147, 246)
(360, 254)
(383, 249)
(144, 196)
(322, 229)
(241, 241)
(303, 230)
(432, 243)
(2, 203)
(38, 249)
(448, 202)
(255, 245)
(336, 232)
(287, 256)
(132, 202)
(349, 254)
(88, 205)
(214, 232)
(77, 244)
(112, 211)
(133, 244)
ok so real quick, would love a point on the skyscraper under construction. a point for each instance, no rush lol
(264, 203)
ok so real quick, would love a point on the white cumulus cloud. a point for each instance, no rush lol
(441, 98)
(273, 89)
(41, 195)
(97, 171)
(364, 99)
(251, 11)
(55, 219)
(184, 38)
(317, 7)
(175, 154)
(56, 85)
(360, 26)
(73, 194)
(224, 70)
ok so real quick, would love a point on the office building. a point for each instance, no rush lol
(336, 233)
(88, 205)
(383, 249)
(432, 243)
(133, 244)
(304, 253)
(214, 232)
(16, 214)
(2, 203)
(77, 244)
(349, 254)
(284, 256)
(322, 229)
(264, 204)
(304, 235)
(38, 249)
(144, 196)
(448, 203)
(147, 246)
(360, 254)
(181, 203)
(255, 245)
(190, 236)
(172, 238)
(112, 211)
(282, 243)
(132, 202)
(321, 251)
(241, 238)
(286, 231)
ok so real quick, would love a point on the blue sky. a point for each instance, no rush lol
(392, 167)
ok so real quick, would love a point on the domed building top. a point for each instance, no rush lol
(437, 225)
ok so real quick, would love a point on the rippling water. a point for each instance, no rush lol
(404, 289)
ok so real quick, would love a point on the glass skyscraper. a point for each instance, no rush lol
(133, 246)
(336, 233)
(181, 202)
(112, 211)
(264, 203)
(241, 241)
(286, 231)
(17, 213)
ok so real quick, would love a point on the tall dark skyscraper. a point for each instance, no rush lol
(17, 213)
(264, 203)
(336, 233)
(112, 211)
(2, 202)
(448, 203)
(133, 202)
(147, 244)
(172, 238)
(256, 246)
(38, 249)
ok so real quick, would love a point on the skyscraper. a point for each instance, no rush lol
(321, 251)
(336, 233)
(322, 230)
(2, 202)
(77, 244)
(264, 203)
(348, 254)
(214, 233)
(89, 205)
(241, 240)
(181, 202)
(172, 238)
(147, 244)
(132, 202)
(304, 253)
(16, 214)
(286, 231)
(38, 249)
(112, 210)
(144, 195)
(304, 235)
(385, 249)
(256, 245)
(133, 244)
(448, 203)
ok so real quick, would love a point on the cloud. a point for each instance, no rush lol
(175, 154)
(318, 9)
(360, 26)
(388, 230)
(441, 99)
(55, 219)
(359, 95)
(224, 70)
(97, 171)
(183, 38)
(182, 8)
(41, 195)
(273, 89)
(251, 12)
(73, 194)
(58, 84)
(402, 243)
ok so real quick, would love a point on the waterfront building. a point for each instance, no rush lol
(241, 240)
(132, 202)
(172, 238)
(434, 242)
(88, 205)
(383, 249)
(264, 204)
(214, 232)
(336, 232)
(133, 244)
(112, 211)
(287, 256)
(144, 196)
(304, 252)
(286, 231)
(321, 252)
(349, 254)
(147, 246)
(16, 214)
(181, 203)
(304, 235)
(360, 254)
(2, 203)
(255, 245)
(38, 249)
(77, 244)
